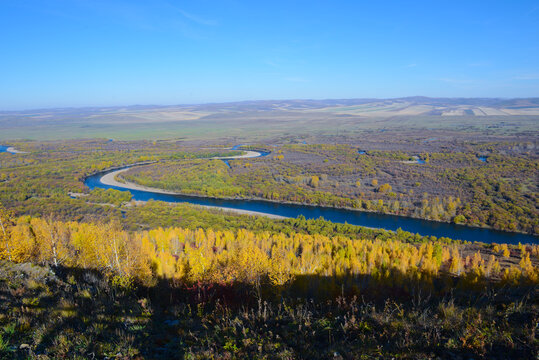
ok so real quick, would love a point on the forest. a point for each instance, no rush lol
(194, 256)
(180, 288)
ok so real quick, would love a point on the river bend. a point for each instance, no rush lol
(106, 180)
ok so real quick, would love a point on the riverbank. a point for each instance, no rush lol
(11, 150)
(248, 154)
(222, 209)
(110, 180)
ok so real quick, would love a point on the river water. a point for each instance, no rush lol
(375, 220)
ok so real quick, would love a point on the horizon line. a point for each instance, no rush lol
(266, 100)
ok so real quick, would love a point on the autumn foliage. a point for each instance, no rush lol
(227, 257)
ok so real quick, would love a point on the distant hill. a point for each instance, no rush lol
(306, 104)
(257, 117)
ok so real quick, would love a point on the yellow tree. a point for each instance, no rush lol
(52, 240)
(505, 250)
(456, 262)
(23, 244)
(526, 264)
(6, 223)
(493, 267)
(384, 188)
(198, 264)
(114, 247)
(87, 239)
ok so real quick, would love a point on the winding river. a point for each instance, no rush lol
(105, 180)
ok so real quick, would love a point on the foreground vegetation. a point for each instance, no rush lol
(52, 313)
(98, 290)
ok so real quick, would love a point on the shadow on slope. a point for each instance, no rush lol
(75, 313)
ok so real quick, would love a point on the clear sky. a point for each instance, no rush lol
(56, 53)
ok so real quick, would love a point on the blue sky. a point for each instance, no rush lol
(60, 53)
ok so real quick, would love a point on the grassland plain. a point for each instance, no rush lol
(264, 120)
